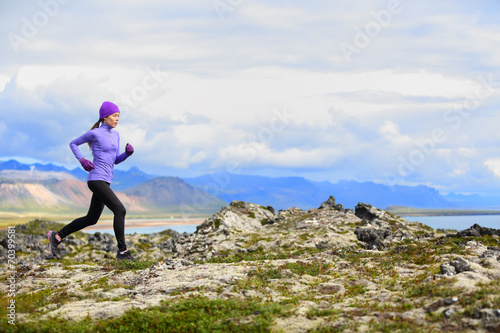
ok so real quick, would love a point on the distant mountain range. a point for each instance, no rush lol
(122, 179)
(286, 192)
(34, 186)
(173, 193)
(54, 189)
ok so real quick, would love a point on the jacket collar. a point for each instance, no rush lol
(106, 127)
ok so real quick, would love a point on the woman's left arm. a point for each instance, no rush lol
(129, 150)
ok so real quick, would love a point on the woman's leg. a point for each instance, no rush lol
(95, 210)
(105, 194)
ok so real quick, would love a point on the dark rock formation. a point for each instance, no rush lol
(330, 204)
(478, 231)
(373, 237)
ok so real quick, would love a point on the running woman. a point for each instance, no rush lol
(104, 142)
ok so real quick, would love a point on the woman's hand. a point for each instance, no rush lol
(129, 150)
(86, 164)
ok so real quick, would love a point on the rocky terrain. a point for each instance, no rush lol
(250, 268)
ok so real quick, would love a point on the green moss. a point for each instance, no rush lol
(398, 324)
(355, 289)
(313, 268)
(102, 282)
(143, 246)
(254, 238)
(416, 287)
(488, 240)
(315, 312)
(254, 282)
(421, 252)
(126, 265)
(31, 302)
(266, 273)
(305, 236)
(194, 314)
(487, 296)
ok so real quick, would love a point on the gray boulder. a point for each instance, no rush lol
(373, 237)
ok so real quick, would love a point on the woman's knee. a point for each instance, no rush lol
(91, 220)
(120, 210)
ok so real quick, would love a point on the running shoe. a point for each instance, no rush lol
(124, 256)
(53, 243)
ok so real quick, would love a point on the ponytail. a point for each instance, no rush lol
(97, 124)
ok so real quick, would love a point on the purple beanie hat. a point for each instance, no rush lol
(107, 109)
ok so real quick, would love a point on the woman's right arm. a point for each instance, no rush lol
(87, 137)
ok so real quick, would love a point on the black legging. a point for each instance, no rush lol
(102, 195)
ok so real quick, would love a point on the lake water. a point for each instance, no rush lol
(189, 228)
(456, 222)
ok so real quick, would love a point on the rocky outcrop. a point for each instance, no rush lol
(329, 268)
(478, 231)
(238, 215)
(373, 237)
(330, 204)
(381, 228)
(372, 214)
(455, 266)
(221, 233)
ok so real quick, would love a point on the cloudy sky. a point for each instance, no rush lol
(397, 92)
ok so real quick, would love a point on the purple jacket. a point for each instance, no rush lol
(105, 145)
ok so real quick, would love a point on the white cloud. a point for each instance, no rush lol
(31, 78)
(220, 80)
(3, 81)
(194, 136)
(493, 164)
(271, 16)
(390, 131)
(259, 154)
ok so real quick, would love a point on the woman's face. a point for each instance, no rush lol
(112, 120)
